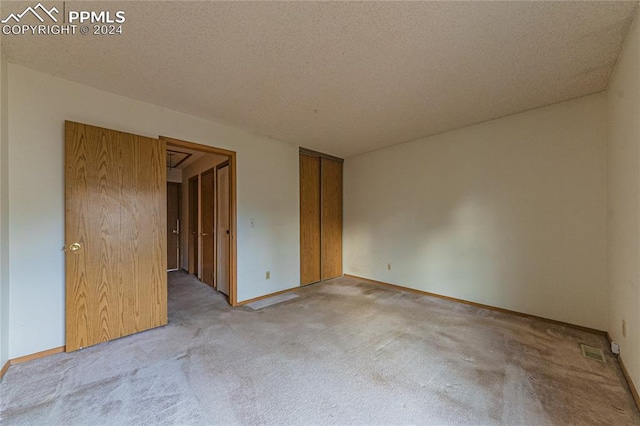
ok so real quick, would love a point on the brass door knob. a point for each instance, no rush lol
(75, 247)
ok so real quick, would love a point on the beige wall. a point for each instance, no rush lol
(267, 190)
(4, 214)
(509, 213)
(624, 203)
(202, 165)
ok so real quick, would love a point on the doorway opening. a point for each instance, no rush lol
(206, 217)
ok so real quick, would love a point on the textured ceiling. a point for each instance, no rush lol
(344, 77)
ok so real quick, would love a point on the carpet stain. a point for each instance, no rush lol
(342, 352)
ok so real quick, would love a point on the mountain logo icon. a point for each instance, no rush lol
(38, 11)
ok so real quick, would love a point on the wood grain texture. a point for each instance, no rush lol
(233, 223)
(312, 153)
(207, 209)
(222, 231)
(173, 225)
(233, 209)
(115, 193)
(331, 218)
(309, 219)
(194, 237)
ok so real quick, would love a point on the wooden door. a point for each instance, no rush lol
(223, 228)
(309, 219)
(207, 220)
(194, 237)
(115, 234)
(331, 218)
(173, 226)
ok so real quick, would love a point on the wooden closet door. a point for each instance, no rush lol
(173, 226)
(223, 229)
(207, 234)
(115, 234)
(331, 218)
(194, 235)
(309, 219)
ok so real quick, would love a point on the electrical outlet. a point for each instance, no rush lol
(624, 328)
(388, 266)
(615, 348)
(267, 275)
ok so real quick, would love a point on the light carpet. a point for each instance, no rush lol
(344, 352)
(270, 301)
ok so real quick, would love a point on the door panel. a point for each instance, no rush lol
(331, 218)
(223, 229)
(309, 219)
(115, 234)
(207, 181)
(194, 237)
(173, 226)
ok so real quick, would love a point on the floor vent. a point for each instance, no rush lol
(592, 353)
